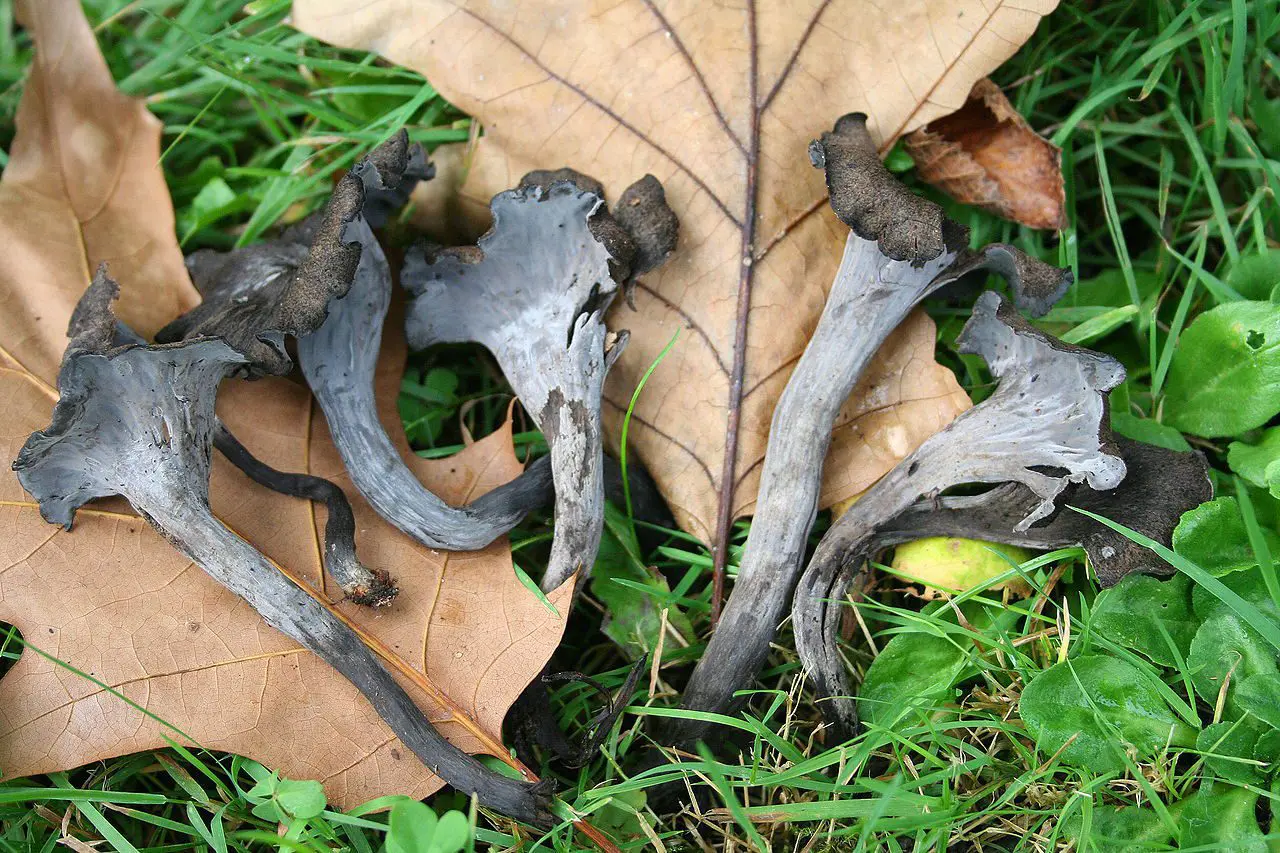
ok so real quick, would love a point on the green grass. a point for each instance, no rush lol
(1168, 115)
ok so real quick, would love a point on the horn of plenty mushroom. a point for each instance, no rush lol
(1159, 486)
(361, 584)
(534, 291)
(1045, 426)
(138, 421)
(245, 290)
(900, 249)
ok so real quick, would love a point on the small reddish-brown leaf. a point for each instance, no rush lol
(985, 154)
(168, 653)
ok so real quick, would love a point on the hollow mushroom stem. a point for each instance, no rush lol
(239, 567)
(534, 291)
(294, 285)
(900, 249)
(339, 360)
(1044, 427)
(138, 421)
(872, 294)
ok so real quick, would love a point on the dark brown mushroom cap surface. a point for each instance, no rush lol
(875, 204)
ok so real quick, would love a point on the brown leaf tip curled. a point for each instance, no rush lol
(985, 154)
(1036, 285)
(875, 204)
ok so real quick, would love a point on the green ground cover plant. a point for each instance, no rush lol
(1142, 717)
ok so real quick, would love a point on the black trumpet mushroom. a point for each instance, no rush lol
(1045, 426)
(360, 583)
(247, 291)
(1159, 486)
(534, 291)
(900, 249)
(138, 421)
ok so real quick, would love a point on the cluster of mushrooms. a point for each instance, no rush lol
(137, 419)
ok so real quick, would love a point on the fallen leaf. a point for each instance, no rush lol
(985, 154)
(435, 203)
(945, 566)
(113, 600)
(719, 102)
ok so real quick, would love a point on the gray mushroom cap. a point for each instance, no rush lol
(138, 421)
(1159, 486)
(125, 422)
(1045, 427)
(534, 291)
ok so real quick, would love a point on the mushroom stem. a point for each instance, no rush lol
(339, 361)
(361, 584)
(1045, 427)
(239, 567)
(871, 294)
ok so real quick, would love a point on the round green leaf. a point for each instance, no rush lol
(1221, 817)
(453, 831)
(1228, 750)
(1144, 614)
(1148, 431)
(912, 671)
(1213, 536)
(1107, 705)
(1225, 375)
(1249, 585)
(1124, 828)
(1254, 276)
(1268, 749)
(1225, 644)
(411, 828)
(1258, 463)
(300, 798)
(1260, 696)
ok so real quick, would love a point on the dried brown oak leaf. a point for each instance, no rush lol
(114, 600)
(985, 154)
(719, 102)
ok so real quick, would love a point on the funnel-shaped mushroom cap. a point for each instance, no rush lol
(1045, 427)
(130, 420)
(1159, 486)
(534, 291)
